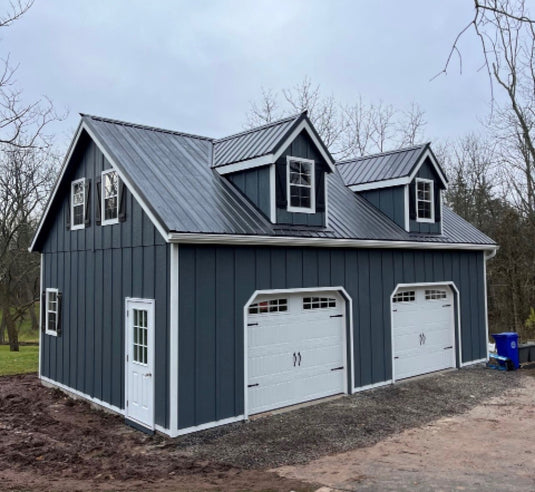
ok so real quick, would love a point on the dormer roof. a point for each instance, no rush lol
(393, 168)
(264, 144)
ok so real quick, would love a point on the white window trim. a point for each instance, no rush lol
(82, 225)
(102, 199)
(47, 330)
(312, 208)
(432, 192)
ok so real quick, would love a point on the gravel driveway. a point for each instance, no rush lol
(348, 422)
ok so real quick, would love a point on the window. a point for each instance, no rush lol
(434, 294)
(271, 306)
(110, 197)
(301, 196)
(140, 344)
(318, 302)
(78, 205)
(405, 296)
(425, 210)
(52, 311)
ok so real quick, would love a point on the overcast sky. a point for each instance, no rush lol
(195, 66)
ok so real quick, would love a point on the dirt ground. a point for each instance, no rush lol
(469, 424)
(491, 447)
(51, 442)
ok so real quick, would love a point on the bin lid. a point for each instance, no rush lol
(506, 334)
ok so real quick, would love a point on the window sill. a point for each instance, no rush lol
(110, 222)
(77, 227)
(299, 210)
(428, 221)
(51, 333)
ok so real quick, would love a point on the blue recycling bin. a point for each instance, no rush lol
(507, 346)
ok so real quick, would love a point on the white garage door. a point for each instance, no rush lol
(295, 349)
(423, 330)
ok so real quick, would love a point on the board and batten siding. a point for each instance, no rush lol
(215, 282)
(96, 268)
(255, 185)
(390, 201)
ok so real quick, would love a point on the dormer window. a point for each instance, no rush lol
(425, 210)
(301, 195)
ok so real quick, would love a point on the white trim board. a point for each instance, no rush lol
(196, 238)
(85, 396)
(348, 378)
(197, 428)
(173, 337)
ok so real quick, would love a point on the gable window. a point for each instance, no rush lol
(425, 210)
(78, 203)
(110, 197)
(52, 311)
(300, 178)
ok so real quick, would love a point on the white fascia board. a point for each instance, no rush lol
(429, 154)
(68, 156)
(375, 185)
(304, 125)
(263, 160)
(192, 238)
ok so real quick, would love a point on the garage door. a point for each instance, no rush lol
(423, 330)
(295, 349)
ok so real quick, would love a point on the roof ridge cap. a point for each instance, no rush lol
(261, 127)
(379, 154)
(145, 127)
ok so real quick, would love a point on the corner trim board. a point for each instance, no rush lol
(173, 337)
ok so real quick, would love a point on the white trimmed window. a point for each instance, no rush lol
(52, 311)
(78, 194)
(271, 306)
(301, 179)
(405, 296)
(435, 294)
(110, 197)
(425, 210)
(318, 302)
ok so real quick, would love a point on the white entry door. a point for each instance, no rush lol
(423, 330)
(139, 384)
(296, 349)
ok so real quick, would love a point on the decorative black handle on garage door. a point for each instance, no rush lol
(299, 355)
(295, 359)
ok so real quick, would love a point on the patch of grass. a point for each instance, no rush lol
(27, 360)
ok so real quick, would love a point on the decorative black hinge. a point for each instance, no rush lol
(396, 357)
(337, 316)
(337, 368)
(252, 324)
(252, 385)
(446, 305)
(447, 348)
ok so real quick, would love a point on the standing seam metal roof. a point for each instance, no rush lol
(172, 174)
(381, 167)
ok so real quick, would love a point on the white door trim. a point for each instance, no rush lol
(149, 305)
(348, 378)
(456, 316)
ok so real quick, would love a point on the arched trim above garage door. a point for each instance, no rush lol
(348, 330)
(456, 314)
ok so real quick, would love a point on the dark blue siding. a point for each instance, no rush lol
(216, 282)
(427, 171)
(390, 201)
(302, 146)
(96, 269)
(254, 184)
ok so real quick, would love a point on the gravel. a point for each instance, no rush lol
(346, 423)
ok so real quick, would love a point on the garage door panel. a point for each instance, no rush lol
(314, 334)
(423, 331)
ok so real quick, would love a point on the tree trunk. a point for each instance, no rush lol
(3, 331)
(12, 332)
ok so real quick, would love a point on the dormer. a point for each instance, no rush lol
(280, 168)
(406, 185)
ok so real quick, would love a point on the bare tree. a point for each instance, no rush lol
(347, 130)
(27, 167)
